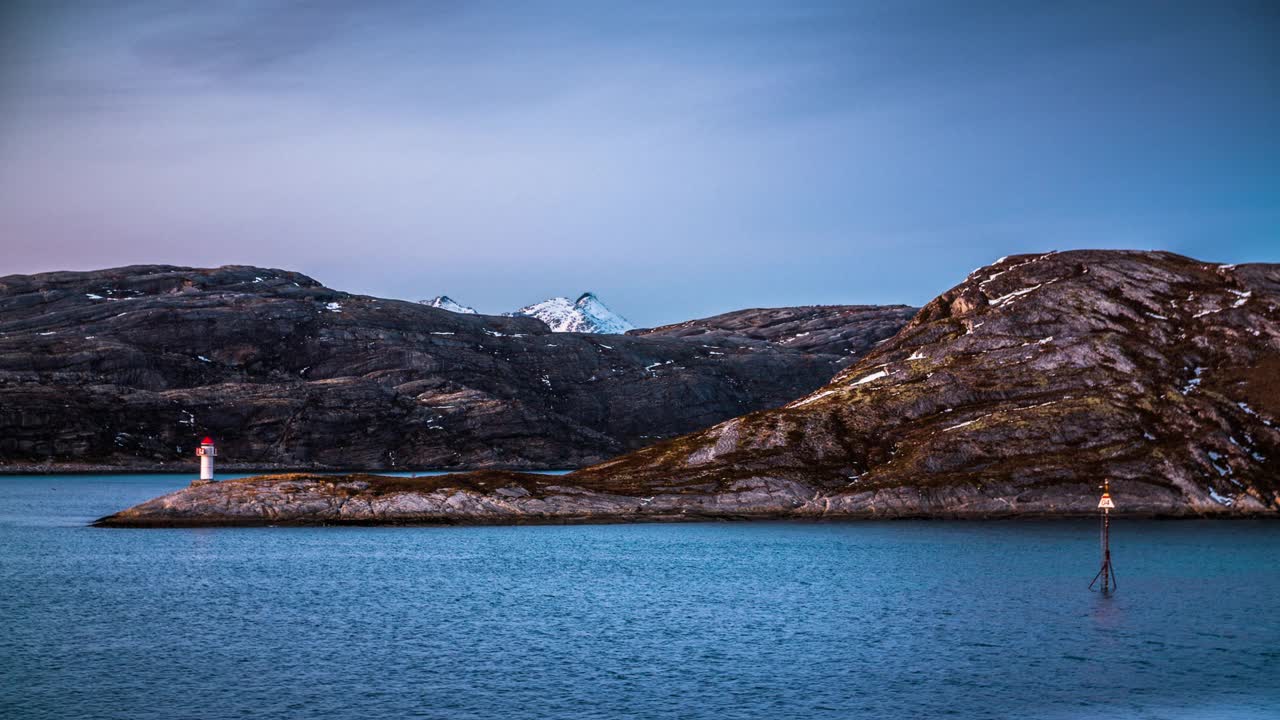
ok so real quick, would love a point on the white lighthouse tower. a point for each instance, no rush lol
(206, 452)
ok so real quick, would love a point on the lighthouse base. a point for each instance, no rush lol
(201, 481)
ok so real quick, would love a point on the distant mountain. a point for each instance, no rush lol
(584, 315)
(126, 368)
(444, 302)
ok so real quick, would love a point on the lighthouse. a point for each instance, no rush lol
(206, 452)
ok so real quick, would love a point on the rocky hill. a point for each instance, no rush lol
(1019, 390)
(128, 367)
(847, 330)
(1015, 393)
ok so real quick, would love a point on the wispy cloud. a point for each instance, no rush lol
(704, 154)
(246, 42)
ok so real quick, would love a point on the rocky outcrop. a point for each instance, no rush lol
(1013, 394)
(128, 368)
(511, 498)
(477, 498)
(849, 331)
(1019, 390)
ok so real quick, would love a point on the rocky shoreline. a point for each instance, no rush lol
(510, 498)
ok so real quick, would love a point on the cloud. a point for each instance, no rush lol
(722, 151)
(230, 43)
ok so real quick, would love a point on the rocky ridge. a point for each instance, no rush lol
(847, 330)
(127, 368)
(1013, 394)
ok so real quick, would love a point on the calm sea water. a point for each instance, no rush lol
(727, 620)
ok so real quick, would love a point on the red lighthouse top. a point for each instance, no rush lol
(207, 441)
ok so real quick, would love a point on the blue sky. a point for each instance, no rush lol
(679, 159)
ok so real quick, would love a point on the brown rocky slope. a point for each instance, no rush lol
(1014, 393)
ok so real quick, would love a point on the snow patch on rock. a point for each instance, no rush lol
(1194, 382)
(870, 378)
(811, 398)
(1016, 293)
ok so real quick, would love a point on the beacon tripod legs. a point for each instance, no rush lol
(1106, 574)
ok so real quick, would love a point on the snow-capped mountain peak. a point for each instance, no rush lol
(585, 315)
(444, 302)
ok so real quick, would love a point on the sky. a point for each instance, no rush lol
(679, 159)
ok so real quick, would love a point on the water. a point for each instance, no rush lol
(743, 620)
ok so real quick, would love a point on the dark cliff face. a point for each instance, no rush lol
(850, 331)
(129, 367)
(1019, 391)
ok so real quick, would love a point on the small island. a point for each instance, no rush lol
(512, 498)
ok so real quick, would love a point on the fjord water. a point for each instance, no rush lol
(715, 620)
